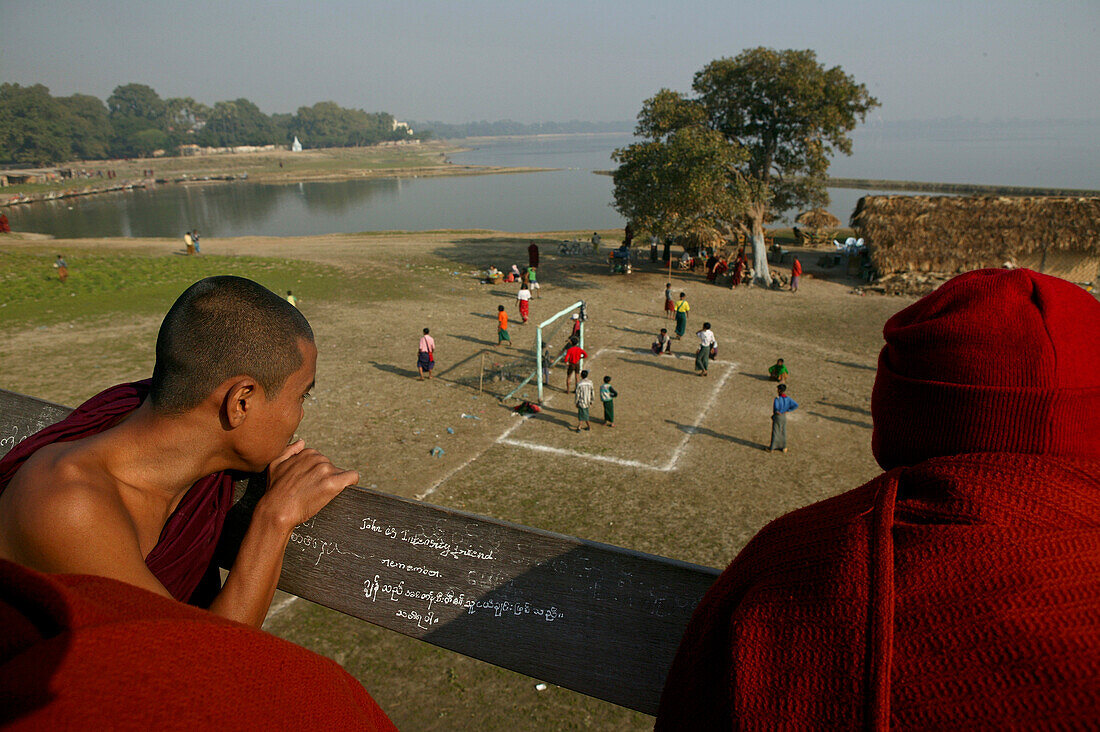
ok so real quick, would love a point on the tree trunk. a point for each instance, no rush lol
(761, 275)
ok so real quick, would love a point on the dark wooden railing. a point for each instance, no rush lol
(595, 618)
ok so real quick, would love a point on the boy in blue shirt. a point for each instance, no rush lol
(780, 407)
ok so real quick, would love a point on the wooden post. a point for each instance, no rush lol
(481, 374)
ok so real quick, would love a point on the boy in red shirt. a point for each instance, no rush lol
(573, 358)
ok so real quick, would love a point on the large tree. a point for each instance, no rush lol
(138, 120)
(783, 113)
(239, 122)
(34, 127)
(89, 127)
(677, 180)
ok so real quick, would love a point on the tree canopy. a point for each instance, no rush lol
(38, 129)
(780, 116)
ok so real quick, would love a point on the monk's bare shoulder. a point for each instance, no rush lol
(57, 515)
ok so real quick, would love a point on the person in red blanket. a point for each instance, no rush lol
(959, 589)
(133, 484)
(84, 652)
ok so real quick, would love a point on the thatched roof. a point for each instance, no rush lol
(818, 218)
(961, 233)
(701, 236)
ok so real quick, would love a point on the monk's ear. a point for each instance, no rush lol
(240, 398)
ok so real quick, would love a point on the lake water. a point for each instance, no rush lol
(573, 197)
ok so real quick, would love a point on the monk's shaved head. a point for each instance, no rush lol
(222, 327)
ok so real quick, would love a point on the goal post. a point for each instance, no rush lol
(546, 330)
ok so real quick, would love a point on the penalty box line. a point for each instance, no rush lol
(666, 467)
(504, 436)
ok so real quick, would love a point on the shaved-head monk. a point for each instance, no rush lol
(132, 485)
(960, 589)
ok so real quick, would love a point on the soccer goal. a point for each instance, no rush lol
(551, 341)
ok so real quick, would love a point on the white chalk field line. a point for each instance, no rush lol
(575, 453)
(668, 466)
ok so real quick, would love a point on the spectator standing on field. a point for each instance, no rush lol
(533, 281)
(607, 396)
(524, 298)
(780, 407)
(62, 269)
(707, 341)
(291, 299)
(502, 326)
(682, 309)
(670, 306)
(585, 392)
(425, 356)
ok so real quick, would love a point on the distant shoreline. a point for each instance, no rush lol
(969, 188)
(542, 136)
(914, 186)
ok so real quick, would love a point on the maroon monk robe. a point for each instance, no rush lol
(187, 543)
(961, 588)
(82, 652)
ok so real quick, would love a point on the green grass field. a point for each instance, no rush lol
(140, 284)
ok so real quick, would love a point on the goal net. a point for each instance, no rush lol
(552, 339)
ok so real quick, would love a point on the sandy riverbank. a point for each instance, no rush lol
(419, 161)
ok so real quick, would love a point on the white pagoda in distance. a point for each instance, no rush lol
(296, 146)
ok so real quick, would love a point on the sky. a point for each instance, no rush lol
(555, 60)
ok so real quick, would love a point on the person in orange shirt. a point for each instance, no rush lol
(502, 326)
(796, 274)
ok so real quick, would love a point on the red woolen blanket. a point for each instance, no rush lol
(82, 652)
(961, 592)
(189, 538)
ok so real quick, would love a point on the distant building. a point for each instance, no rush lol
(402, 126)
(296, 146)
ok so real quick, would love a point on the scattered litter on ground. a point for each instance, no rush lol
(470, 416)
(540, 687)
(450, 430)
(437, 451)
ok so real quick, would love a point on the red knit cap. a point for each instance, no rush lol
(993, 361)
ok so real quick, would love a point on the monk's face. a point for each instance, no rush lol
(275, 421)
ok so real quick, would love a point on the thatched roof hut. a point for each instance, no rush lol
(700, 237)
(817, 218)
(950, 234)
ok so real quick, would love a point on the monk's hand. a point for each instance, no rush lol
(300, 482)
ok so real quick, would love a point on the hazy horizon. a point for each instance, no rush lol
(538, 62)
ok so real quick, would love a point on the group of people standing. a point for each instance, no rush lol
(782, 405)
(191, 241)
(716, 266)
